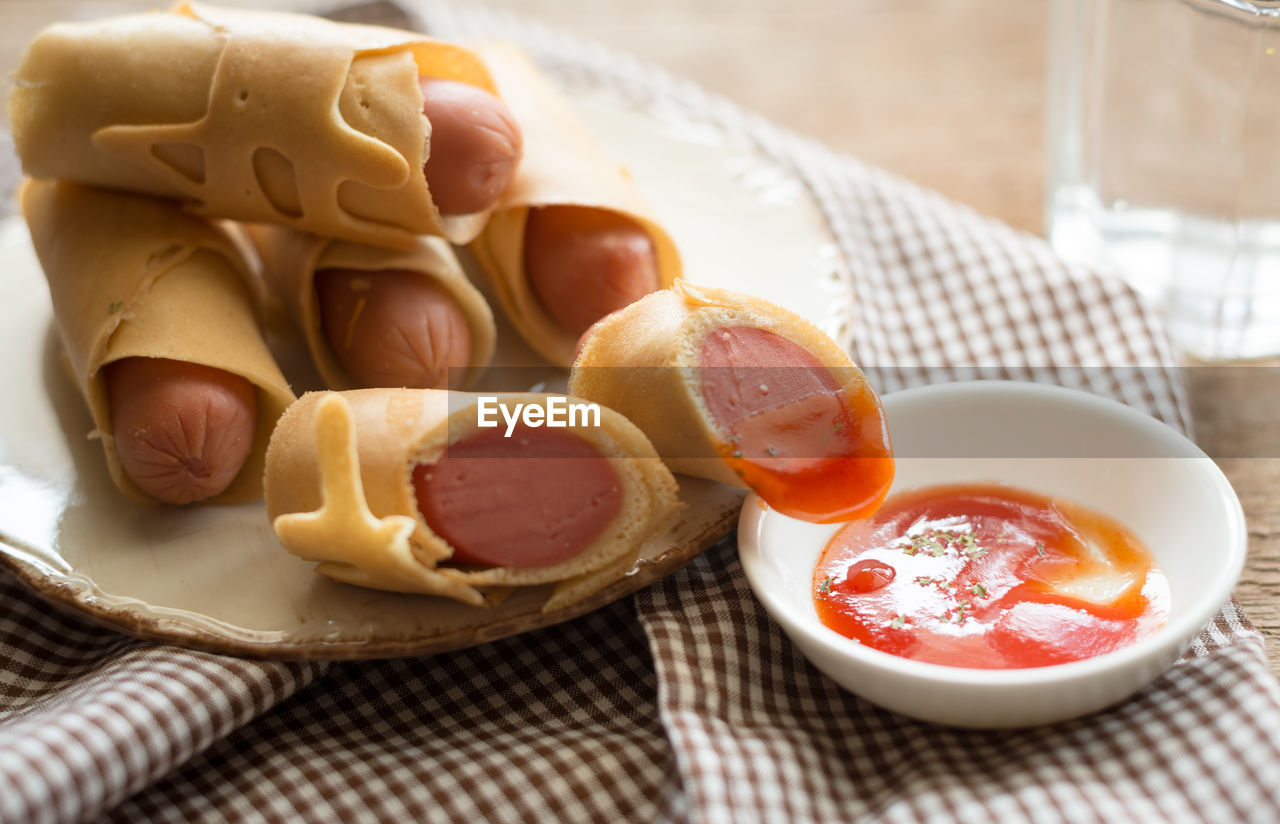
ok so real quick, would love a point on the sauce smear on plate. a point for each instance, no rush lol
(990, 577)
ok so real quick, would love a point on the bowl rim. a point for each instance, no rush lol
(1178, 631)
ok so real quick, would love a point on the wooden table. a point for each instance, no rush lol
(949, 93)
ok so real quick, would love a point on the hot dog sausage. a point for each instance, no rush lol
(535, 499)
(584, 263)
(475, 146)
(182, 430)
(393, 328)
(770, 394)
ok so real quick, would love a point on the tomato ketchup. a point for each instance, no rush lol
(991, 577)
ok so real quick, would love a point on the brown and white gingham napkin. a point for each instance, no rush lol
(684, 702)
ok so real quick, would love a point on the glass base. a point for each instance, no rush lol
(1216, 283)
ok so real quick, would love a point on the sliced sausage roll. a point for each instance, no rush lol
(407, 490)
(735, 389)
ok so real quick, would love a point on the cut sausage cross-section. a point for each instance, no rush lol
(536, 498)
(735, 389)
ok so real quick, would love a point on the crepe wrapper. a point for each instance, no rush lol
(291, 259)
(643, 362)
(563, 165)
(136, 277)
(340, 492)
(247, 115)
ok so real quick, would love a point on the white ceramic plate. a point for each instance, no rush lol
(216, 578)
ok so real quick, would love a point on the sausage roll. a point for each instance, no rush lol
(407, 490)
(572, 239)
(735, 389)
(136, 281)
(247, 115)
(379, 317)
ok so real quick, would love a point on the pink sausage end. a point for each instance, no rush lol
(768, 391)
(585, 263)
(182, 430)
(475, 146)
(535, 499)
(393, 328)
(811, 446)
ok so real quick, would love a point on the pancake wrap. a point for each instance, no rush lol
(247, 115)
(137, 277)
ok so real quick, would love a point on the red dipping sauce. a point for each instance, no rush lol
(990, 577)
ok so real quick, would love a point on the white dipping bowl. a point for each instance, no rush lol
(1063, 442)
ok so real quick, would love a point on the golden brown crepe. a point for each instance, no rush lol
(136, 277)
(290, 262)
(562, 165)
(339, 491)
(247, 115)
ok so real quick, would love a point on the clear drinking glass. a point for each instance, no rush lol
(1163, 139)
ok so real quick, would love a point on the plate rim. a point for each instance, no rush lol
(160, 629)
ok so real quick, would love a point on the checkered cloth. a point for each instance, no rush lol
(683, 702)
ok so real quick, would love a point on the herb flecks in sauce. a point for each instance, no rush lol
(982, 576)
